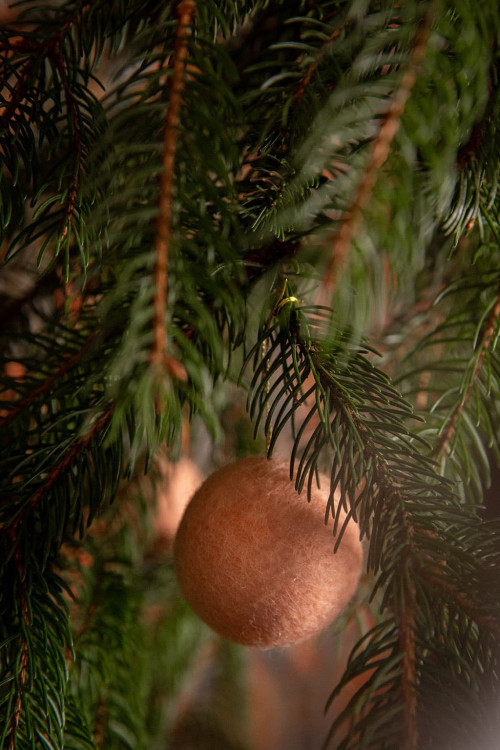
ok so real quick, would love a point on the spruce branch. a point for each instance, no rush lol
(392, 488)
(462, 601)
(24, 649)
(65, 463)
(57, 471)
(311, 70)
(159, 355)
(450, 424)
(379, 152)
(69, 210)
(44, 387)
(25, 46)
(409, 670)
(33, 670)
(315, 97)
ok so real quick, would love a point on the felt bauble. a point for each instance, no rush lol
(255, 560)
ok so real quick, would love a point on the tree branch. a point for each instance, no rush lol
(449, 428)
(409, 671)
(24, 657)
(25, 46)
(22, 46)
(304, 83)
(58, 61)
(379, 152)
(56, 472)
(185, 11)
(462, 601)
(46, 384)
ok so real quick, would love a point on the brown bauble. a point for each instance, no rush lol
(255, 560)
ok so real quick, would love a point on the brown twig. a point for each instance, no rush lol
(23, 47)
(185, 11)
(58, 61)
(56, 472)
(71, 455)
(18, 93)
(26, 46)
(443, 444)
(24, 657)
(305, 81)
(409, 672)
(407, 614)
(44, 386)
(451, 592)
(379, 152)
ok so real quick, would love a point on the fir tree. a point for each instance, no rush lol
(296, 201)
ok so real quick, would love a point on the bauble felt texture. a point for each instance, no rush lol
(255, 560)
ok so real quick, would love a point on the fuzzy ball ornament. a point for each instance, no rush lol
(255, 560)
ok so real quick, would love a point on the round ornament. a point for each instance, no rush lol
(255, 560)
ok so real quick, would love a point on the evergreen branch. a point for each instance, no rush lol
(49, 85)
(356, 409)
(18, 92)
(65, 227)
(410, 561)
(72, 454)
(379, 152)
(26, 46)
(185, 12)
(451, 422)
(409, 671)
(376, 660)
(406, 610)
(487, 622)
(319, 131)
(60, 468)
(24, 657)
(46, 384)
(35, 635)
(304, 83)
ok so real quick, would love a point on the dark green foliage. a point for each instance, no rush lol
(332, 191)
(34, 633)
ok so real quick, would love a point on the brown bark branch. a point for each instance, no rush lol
(56, 472)
(409, 672)
(25, 46)
(443, 444)
(311, 70)
(46, 384)
(18, 94)
(23, 662)
(71, 455)
(463, 602)
(185, 11)
(379, 152)
(58, 61)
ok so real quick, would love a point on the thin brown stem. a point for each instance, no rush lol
(25, 46)
(463, 602)
(24, 656)
(311, 70)
(409, 672)
(57, 471)
(45, 385)
(58, 62)
(379, 152)
(71, 455)
(18, 94)
(185, 11)
(447, 433)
